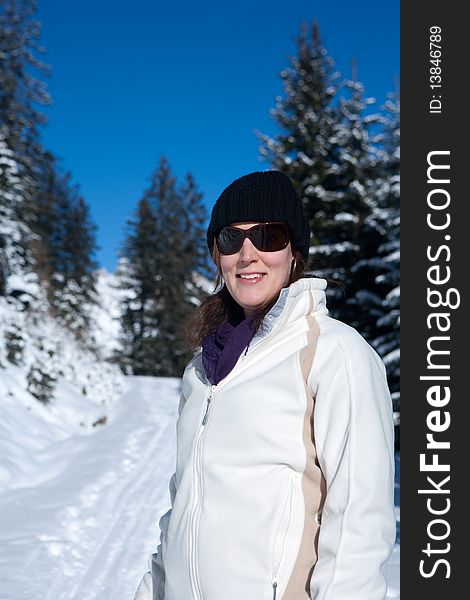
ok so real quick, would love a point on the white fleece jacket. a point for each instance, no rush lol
(283, 487)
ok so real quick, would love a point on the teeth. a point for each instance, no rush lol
(251, 276)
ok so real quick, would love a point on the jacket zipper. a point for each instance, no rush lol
(282, 536)
(196, 507)
(274, 589)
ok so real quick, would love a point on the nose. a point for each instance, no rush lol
(248, 252)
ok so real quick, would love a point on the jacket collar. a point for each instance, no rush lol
(301, 298)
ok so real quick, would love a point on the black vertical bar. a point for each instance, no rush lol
(435, 234)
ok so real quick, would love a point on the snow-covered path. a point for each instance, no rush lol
(85, 533)
(85, 523)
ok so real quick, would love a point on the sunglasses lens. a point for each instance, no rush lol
(275, 236)
(230, 240)
(266, 237)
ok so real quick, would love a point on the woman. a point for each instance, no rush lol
(284, 478)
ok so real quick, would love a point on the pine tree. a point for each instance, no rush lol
(20, 94)
(137, 273)
(306, 148)
(387, 339)
(195, 214)
(20, 90)
(164, 256)
(326, 146)
(179, 219)
(73, 283)
(50, 234)
(66, 247)
(17, 278)
(351, 234)
(42, 377)
(305, 115)
(79, 248)
(45, 222)
(14, 337)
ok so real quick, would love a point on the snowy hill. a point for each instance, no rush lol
(79, 516)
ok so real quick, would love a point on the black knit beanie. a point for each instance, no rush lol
(259, 197)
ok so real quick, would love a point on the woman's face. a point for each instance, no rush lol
(269, 272)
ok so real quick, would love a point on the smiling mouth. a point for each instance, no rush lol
(250, 276)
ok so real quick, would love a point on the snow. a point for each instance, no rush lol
(80, 514)
(80, 503)
(107, 312)
(344, 217)
(329, 249)
(392, 357)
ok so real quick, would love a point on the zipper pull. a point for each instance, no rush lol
(204, 420)
(209, 399)
(274, 588)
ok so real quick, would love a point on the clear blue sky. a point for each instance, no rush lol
(135, 80)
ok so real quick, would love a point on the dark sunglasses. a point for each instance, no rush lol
(266, 237)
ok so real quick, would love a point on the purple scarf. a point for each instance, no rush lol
(222, 348)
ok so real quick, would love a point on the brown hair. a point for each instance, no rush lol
(220, 305)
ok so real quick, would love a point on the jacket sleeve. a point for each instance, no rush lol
(353, 423)
(152, 584)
